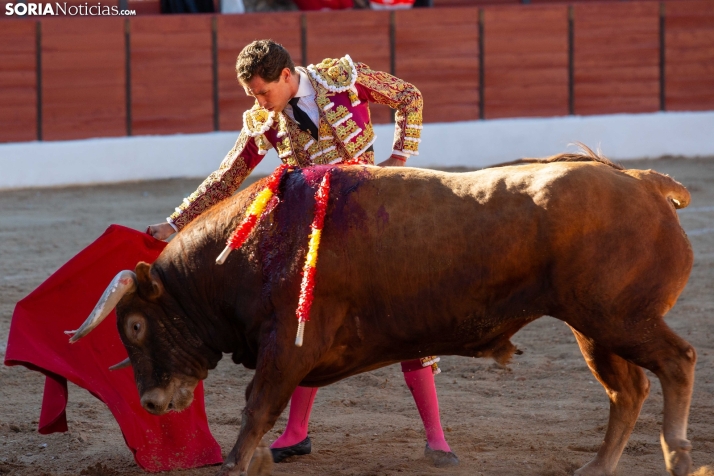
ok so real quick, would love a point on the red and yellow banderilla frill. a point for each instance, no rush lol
(253, 215)
(308, 271)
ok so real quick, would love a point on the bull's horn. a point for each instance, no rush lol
(124, 282)
(124, 363)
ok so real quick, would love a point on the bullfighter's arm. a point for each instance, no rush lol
(222, 183)
(404, 97)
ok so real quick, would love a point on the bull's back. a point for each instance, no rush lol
(499, 244)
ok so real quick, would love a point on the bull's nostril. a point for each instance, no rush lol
(171, 406)
(150, 406)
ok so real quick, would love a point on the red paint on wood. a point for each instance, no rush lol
(171, 74)
(442, 60)
(83, 78)
(689, 53)
(18, 81)
(616, 57)
(526, 61)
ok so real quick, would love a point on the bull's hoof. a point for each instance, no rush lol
(441, 459)
(299, 449)
(679, 462)
(262, 462)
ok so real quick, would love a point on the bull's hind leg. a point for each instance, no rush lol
(628, 387)
(672, 359)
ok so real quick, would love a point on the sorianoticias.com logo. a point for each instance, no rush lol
(57, 8)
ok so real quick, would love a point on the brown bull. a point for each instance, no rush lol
(415, 263)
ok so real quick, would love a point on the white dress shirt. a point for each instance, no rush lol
(307, 102)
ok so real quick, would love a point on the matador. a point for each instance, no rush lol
(318, 115)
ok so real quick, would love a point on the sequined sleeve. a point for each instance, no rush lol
(222, 183)
(383, 88)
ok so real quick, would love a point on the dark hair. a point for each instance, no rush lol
(264, 58)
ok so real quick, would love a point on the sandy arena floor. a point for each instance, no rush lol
(544, 415)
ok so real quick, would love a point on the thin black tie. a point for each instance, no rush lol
(303, 119)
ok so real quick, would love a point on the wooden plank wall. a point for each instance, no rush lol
(171, 74)
(18, 81)
(234, 33)
(83, 78)
(616, 57)
(435, 55)
(615, 64)
(689, 55)
(362, 34)
(526, 61)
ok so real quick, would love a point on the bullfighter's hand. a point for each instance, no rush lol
(160, 231)
(393, 161)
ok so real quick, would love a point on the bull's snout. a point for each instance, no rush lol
(157, 401)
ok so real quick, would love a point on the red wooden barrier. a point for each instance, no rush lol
(441, 59)
(83, 78)
(234, 33)
(171, 74)
(526, 61)
(617, 57)
(18, 81)
(689, 55)
(363, 34)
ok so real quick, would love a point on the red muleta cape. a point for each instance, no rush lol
(63, 302)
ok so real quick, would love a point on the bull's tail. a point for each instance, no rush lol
(670, 189)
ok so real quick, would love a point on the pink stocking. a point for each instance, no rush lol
(298, 419)
(421, 384)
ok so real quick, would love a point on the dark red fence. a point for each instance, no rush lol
(18, 82)
(442, 59)
(102, 77)
(617, 57)
(525, 61)
(689, 55)
(83, 78)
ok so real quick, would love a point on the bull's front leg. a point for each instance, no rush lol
(280, 368)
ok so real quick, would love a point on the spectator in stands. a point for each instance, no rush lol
(390, 4)
(187, 6)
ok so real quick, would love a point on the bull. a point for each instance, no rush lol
(416, 263)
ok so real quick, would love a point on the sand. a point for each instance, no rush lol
(543, 415)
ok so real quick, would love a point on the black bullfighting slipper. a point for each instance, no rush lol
(441, 459)
(298, 449)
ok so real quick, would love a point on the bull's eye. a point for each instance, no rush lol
(135, 328)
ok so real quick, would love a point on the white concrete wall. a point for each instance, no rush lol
(471, 144)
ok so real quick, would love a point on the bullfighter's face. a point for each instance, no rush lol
(273, 95)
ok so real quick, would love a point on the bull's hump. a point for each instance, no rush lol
(535, 180)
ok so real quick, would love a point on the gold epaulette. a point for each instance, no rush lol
(257, 121)
(336, 75)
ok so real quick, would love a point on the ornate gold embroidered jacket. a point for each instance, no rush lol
(343, 90)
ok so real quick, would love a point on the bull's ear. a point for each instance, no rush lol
(148, 286)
